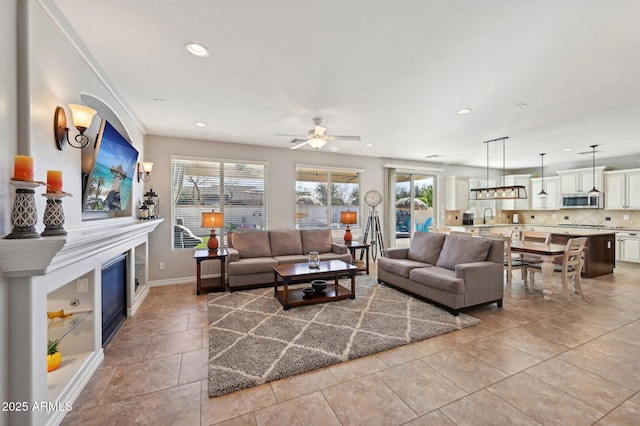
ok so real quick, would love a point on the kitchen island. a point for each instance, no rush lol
(599, 252)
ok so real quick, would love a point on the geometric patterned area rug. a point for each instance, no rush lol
(252, 340)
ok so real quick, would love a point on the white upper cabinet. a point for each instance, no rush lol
(580, 180)
(551, 187)
(622, 190)
(456, 193)
(520, 204)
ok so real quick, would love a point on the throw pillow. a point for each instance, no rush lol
(458, 250)
(426, 247)
(316, 240)
(252, 244)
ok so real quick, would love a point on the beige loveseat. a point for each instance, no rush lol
(453, 271)
(253, 253)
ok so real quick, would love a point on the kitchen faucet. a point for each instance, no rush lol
(484, 215)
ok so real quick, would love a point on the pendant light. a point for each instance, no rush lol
(594, 191)
(504, 192)
(542, 193)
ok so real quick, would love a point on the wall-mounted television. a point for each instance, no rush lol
(109, 182)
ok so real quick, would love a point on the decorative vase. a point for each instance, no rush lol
(314, 260)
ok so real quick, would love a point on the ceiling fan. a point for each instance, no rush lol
(317, 138)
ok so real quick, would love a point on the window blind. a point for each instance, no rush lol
(236, 188)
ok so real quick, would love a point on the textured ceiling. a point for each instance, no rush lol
(394, 73)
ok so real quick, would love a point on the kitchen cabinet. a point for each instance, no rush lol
(552, 187)
(524, 180)
(457, 193)
(622, 190)
(581, 180)
(628, 247)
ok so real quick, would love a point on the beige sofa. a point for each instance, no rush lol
(253, 253)
(453, 271)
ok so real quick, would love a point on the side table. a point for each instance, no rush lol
(208, 285)
(353, 246)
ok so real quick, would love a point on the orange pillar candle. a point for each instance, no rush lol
(54, 181)
(23, 168)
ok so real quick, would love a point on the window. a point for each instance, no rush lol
(237, 188)
(322, 193)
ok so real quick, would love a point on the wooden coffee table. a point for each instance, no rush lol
(301, 271)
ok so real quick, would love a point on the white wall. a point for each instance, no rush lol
(8, 145)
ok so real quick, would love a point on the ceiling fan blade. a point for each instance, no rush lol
(332, 147)
(292, 136)
(345, 138)
(299, 145)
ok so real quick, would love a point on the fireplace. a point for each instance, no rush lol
(114, 296)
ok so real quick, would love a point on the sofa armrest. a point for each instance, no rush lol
(339, 248)
(479, 271)
(234, 255)
(396, 253)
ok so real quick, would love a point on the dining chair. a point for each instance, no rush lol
(510, 263)
(535, 236)
(571, 267)
(499, 230)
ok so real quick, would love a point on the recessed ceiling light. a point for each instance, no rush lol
(434, 156)
(464, 111)
(197, 50)
(200, 124)
(160, 100)
(567, 150)
(370, 145)
(521, 105)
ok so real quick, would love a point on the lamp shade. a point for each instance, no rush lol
(147, 166)
(82, 115)
(212, 219)
(348, 217)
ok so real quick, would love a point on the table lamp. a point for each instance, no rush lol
(348, 218)
(212, 220)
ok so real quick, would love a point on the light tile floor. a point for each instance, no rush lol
(532, 362)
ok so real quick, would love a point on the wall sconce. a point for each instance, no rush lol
(81, 116)
(144, 171)
(348, 218)
(212, 220)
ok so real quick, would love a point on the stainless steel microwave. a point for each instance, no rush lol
(581, 201)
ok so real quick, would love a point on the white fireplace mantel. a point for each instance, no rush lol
(39, 267)
(38, 256)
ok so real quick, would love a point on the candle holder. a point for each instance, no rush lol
(24, 215)
(53, 214)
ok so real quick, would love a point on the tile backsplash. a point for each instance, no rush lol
(612, 218)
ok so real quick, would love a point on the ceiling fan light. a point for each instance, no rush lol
(317, 143)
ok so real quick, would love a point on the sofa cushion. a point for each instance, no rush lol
(252, 266)
(457, 249)
(425, 247)
(252, 244)
(439, 278)
(285, 241)
(400, 267)
(316, 240)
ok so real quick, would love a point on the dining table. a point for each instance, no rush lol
(548, 254)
